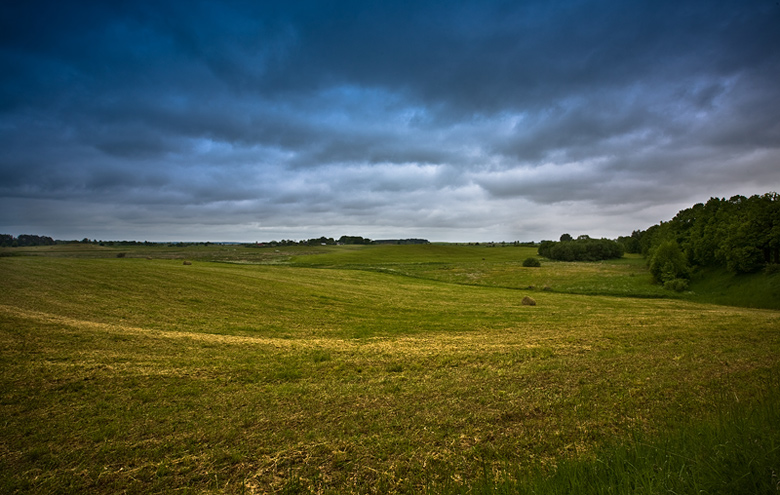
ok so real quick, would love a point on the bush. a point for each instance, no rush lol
(676, 284)
(531, 262)
(668, 263)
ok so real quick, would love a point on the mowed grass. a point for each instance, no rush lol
(494, 266)
(501, 266)
(146, 376)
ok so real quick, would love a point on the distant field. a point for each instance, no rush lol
(501, 266)
(488, 265)
(496, 267)
(380, 369)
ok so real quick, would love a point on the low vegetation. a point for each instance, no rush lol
(378, 369)
(531, 262)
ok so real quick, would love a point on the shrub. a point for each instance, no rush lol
(668, 263)
(676, 284)
(531, 262)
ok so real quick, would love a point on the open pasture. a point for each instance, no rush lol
(146, 375)
(495, 266)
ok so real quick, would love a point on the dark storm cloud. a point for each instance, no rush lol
(244, 118)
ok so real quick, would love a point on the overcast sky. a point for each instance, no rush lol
(453, 121)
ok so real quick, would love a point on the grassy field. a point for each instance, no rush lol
(382, 369)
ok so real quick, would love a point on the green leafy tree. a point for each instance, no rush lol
(582, 249)
(668, 263)
(545, 248)
(631, 244)
(741, 234)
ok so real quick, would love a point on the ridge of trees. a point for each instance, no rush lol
(345, 239)
(581, 249)
(741, 234)
(7, 240)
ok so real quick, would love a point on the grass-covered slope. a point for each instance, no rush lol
(753, 290)
(147, 375)
(486, 265)
(494, 267)
(502, 267)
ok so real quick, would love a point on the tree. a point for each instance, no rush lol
(741, 234)
(631, 244)
(582, 249)
(545, 248)
(668, 263)
(566, 238)
(347, 239)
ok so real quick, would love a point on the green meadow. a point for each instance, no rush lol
(380, 369)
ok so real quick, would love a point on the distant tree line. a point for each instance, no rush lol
(581, 249)
(345, 239)
(349, 239)
(289, 242)
(318, 241)
(741, 234)
(401, 241)
(7, 240)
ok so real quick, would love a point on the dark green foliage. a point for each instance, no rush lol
(741, 234)
(676, 284)
(348, 239)
(632, 244)
(668, 263)
(582, 249)
(7, 240)
(401, 241)
(771, 269)
(531, 262)
(321, 241)
(545, 247)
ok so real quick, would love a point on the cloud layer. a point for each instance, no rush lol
(476, 121)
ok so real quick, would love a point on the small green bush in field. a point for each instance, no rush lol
(531, 262)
